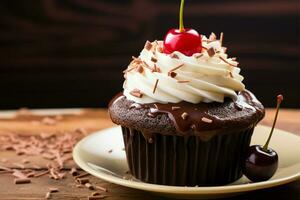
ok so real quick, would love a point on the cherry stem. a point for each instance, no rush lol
(279, 100)
(181, 27)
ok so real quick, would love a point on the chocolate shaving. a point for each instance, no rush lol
(221, 38)
(31, 174)
(73, 171)
(184, 116)
(212, 36)
(160, 49)
(157, 69)
(52, 190)
(110, 151)
(175, 108)
(155, 86)
(223, 59)
(22, 180)
(82, 181)
(140, 69)
(183, 81)
(148, 45)
(89, 186)
(154, 68)
(48, 195)
(230, 74)
(129, 69)
(101, 188)
(79, 186)
(36, 167)
(206, 120)
(172, 74)
(175, 68)
(153, 59)
(211, 52)
(147, 66)
(41, 174)
(198, 55)
(136, 93)
(96, 193)
(82, 175)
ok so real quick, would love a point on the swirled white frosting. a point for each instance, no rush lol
(199, 78)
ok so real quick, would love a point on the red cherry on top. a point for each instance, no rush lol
(187, 42)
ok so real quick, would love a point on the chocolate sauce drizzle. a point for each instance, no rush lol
(193, 119)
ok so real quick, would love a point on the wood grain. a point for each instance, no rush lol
(70, 53)
(96, 119)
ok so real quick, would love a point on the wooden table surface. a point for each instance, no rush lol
(89, 120)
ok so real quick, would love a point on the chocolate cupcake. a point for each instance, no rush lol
(186, 120)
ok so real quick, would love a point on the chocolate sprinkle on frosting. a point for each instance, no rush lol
(136, 93)
(221, 38)
(175, 68)
(183, 81)
(231, 64)
(198, 55)
(153, 59)
(212, 36)
(148, 45)
(140, 69)
(155, 86)
(211, 52)
(172, 74)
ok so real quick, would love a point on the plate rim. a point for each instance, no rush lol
(224, 189)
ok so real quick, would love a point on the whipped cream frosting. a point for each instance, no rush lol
(207, 76)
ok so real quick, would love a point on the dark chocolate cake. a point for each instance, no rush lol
(205, 146)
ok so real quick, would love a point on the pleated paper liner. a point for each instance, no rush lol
(186, 161)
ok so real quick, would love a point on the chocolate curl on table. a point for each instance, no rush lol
(73, 171)
(22, 180)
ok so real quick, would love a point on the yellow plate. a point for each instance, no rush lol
(93, 154)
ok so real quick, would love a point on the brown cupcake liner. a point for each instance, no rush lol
(186, 161)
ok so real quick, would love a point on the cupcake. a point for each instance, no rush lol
(185, 114)
(186, 120)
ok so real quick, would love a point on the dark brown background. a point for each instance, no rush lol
(70, 53)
